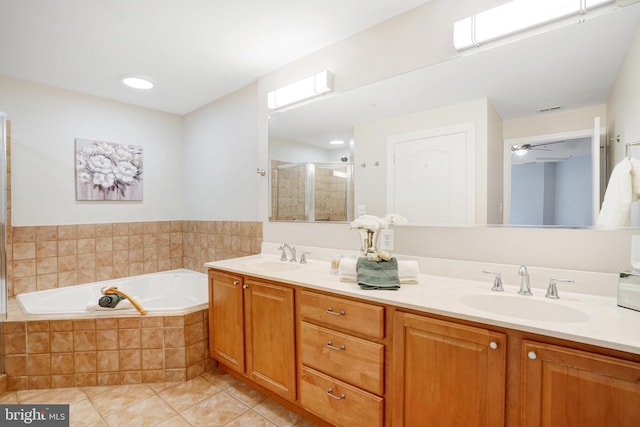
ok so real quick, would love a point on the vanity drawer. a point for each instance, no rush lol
(354, 360)
(358, 317)
(338, 402)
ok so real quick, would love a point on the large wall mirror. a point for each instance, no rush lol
(436, 145)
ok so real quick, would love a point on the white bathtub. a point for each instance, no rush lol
(170, 292)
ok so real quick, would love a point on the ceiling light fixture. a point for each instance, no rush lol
(516, 16)
(307, 88)
(137, 82)
(520, 150)
(336, 142)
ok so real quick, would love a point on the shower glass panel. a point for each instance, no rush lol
(311, 191)
(3, 232)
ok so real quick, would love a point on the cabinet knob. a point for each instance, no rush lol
(245, 286)
(532, 355)
(236, 282)
(330, 394)
(493, 345)
(335, 313)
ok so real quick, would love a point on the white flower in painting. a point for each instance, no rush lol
(123, 153)
(84, 177)
(104, 148)
(104, 180)
(137, 159)
(125, 172)
(99, 164)
(87, 150)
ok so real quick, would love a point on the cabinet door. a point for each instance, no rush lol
(270, 335)
(226, 320)
(566, 387)
(445, 374)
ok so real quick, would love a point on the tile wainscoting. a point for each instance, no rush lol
(46, 257)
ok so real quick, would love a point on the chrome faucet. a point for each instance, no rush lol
(525, 286)
(552, 290)
(292, 250)
(497, 280)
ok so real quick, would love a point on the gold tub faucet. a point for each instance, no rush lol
(113, 290)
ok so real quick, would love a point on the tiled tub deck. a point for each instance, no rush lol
(79, 352)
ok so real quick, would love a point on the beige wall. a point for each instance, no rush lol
(555, 122)
(624, 105)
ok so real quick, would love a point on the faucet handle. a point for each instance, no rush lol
(552, 290)
(497, 280)
(283, 255)
(303, 257)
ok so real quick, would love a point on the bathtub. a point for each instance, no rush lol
(166, 293)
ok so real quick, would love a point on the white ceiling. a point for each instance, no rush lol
(195, 51)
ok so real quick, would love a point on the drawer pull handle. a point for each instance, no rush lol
(333, 347)
(335, 313)
(330, 394)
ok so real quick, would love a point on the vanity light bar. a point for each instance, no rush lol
(515, 16)
(304, 89)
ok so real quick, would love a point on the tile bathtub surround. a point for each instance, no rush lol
(204, 241)
(211, 399)
(46, 257)
(43, 354)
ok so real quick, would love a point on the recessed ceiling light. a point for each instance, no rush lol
(336, 142)
(137, 82)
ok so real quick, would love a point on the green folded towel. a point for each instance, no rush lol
(377, 275)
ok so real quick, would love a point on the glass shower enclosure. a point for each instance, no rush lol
(311, 192)
(3, 233)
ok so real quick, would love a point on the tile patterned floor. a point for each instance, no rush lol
(212, 399)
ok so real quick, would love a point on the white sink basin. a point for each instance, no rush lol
(272, 266)
(524, 307)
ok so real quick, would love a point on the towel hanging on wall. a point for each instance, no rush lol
(622, 190)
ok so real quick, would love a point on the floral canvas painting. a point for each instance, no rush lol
(108, 171)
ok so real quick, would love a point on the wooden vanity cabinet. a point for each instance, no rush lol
(446, 374)
(253, 330)
(226, 319)
(342, 359)
(349, 362)
(567, 387)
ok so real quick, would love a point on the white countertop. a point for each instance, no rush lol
(581, 317)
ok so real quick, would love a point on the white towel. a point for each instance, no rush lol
(408, 271)
(623, 188)
(122, 305)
